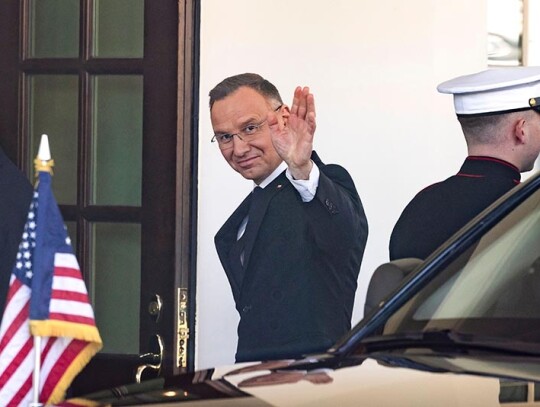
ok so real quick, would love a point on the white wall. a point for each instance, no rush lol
(373, 67)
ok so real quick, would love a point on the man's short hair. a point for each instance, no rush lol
(481, 129)
(490, 129)
(251, 80)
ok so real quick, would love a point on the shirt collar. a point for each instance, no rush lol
(280, 168)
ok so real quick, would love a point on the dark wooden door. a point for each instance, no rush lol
(113, 84)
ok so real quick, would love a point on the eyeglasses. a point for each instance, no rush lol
(245, 134)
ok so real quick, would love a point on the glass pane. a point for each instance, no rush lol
(117, 140)
(54, 29)
(118, 29)
(53, 110)
(116, 277)
(512, 391)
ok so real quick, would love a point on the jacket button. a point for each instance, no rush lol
(246, 309)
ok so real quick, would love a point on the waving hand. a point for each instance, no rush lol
(293, 141)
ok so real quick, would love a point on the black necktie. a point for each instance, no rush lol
(256, 196)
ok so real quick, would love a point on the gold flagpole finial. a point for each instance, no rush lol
(43, 160)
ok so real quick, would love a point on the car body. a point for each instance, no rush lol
(463, 329)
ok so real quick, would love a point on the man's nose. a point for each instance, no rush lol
(240, 147)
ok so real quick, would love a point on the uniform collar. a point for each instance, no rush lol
(481, 166)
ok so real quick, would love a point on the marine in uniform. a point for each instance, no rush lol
(498, 110)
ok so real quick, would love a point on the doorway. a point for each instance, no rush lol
(114, 85)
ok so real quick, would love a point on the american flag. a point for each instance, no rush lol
(47, 297)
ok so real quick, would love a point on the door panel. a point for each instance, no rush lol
(116, 153)
(113, 85)
(52, 108)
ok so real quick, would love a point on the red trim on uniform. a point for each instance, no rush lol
(462, 174)
(482, 158)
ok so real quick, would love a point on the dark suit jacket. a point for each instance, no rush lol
(296, 290)
(440, 210)
(15, 197)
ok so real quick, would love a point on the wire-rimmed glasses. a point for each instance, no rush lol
(245, 134)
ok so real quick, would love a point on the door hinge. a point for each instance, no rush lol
(183, 328)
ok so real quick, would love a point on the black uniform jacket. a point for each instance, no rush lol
(15, 197)
(295, 290)
(440, 210)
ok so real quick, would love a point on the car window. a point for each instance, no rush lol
(490, 289)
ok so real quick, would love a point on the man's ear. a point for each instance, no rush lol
(521, 130)
(285, 113)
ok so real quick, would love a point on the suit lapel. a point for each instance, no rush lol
(226, 239)
(258, 212)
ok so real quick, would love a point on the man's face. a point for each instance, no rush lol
(256, 158)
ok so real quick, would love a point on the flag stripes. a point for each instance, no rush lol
(47, 297)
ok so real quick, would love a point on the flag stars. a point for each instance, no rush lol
(24, 264)
(68, 241)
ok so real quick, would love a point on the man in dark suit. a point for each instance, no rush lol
(498, 110)
(15, 197)
(292, 250)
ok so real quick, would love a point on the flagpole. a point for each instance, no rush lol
(36, 375)
(42, 162)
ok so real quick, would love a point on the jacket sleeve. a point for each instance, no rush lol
(336, 215)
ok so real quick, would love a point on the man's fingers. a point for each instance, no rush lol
(312, 123)
(296, 100)
(302, 104)
(311, 104)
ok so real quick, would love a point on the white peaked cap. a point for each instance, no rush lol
(498, 90)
